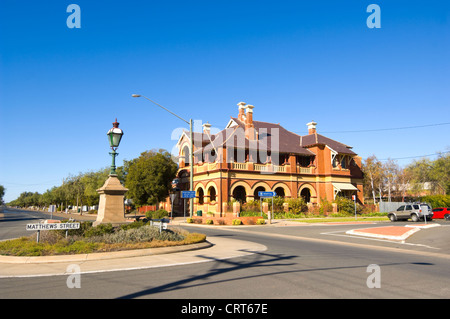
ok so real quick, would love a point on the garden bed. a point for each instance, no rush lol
(103, 238)
(226, 219)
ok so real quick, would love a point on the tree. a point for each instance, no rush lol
(391, 172)
(372, 169)
(436, 173)
(148, 177)
(2, 193)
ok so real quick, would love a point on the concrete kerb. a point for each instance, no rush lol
(102, 255)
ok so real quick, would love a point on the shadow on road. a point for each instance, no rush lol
(228, 266)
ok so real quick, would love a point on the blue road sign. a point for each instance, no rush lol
(266, 194)
(187, 194)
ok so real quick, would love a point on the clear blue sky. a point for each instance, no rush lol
(295, 61)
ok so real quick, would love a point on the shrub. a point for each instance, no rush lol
(347, 206)
(135, 224)
(141, 234)
(437, 200)
(190, 220)
(260, 222)
(237, 222)
(253, 205)
(209, 221)
(297, 205)
(277, 203)
(160, 213)
(99, 230)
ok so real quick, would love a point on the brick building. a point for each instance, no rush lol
(249, 156)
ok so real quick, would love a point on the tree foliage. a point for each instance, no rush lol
(149, 177)
(424, 175)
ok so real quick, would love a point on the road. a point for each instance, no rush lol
(299, 262)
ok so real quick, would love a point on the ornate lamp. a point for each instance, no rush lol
(111, 207)
(114, 136)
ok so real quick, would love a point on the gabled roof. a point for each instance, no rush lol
(288, 142)
(317, 139)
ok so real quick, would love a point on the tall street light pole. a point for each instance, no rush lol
(191, 153)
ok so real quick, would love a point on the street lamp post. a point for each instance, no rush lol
(111, 204)
(191, 155)
(114, 136)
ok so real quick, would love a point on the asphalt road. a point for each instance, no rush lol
(301, 262)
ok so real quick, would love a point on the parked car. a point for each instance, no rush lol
(440, 212)
(416, 212)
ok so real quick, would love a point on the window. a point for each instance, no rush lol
(401, 208)
(212, 194)
(408, 207)
(343, 161)
(335, 162)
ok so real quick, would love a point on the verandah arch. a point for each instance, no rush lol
(211, 191)
(282, 190)
(308, 193)
(239, 191)
(259, 187)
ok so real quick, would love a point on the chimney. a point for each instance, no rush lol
(207, 128)
(241, 116)
(312, 127)
(249, 126)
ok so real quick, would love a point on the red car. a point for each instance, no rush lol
(440, 212)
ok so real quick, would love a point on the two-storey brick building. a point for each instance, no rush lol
(249, 156)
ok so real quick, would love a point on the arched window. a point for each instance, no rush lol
(201, 195)
(306, 194)
(212, 194)
(185, 154)
(280, 192)
(239, 194)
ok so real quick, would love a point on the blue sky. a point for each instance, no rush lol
(295, 61)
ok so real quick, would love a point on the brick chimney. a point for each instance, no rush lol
(241, 116)
(207, 128)
(312, 127)
(249, 126)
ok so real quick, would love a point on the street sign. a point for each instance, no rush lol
(187, 194)
(266, 194)
(58, 226)
(161, 223)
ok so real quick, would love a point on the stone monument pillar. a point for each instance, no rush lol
(111, 208)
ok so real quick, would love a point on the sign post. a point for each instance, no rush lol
(56, 226)
(172, 199)
(186, 195)
(266, 195)
(354, 200)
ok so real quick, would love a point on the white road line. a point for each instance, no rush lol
(376, 239)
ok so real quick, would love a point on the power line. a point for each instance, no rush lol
(390, 129)
(409, 157)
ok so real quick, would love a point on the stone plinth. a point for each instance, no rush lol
(111, 208)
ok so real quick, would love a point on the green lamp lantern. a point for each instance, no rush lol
(114, 136)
